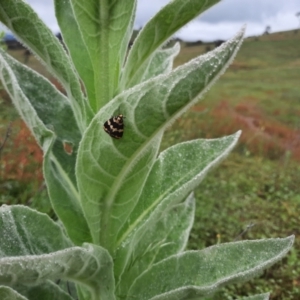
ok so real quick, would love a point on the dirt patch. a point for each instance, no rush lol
(260, 133)
(21, 157)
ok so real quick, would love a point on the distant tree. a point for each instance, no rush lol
(298, 16)
(268, 29)
(207, 48)
(218, 43)
(26, 55)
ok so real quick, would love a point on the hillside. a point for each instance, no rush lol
(259, 93)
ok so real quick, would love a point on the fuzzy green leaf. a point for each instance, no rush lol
(18, 16)
(159, 29)
(106, 28)
(257, 297)
(20, 235)
(31, 93)
(9, 81)
(74, 41)
(199, 273)
(48, 103)
(176, 172)
(65, 200)
(172, 230)
(45, 291)
(7, 293)
(111, 173)
(168, 236)
(89, 265)
(160, 63)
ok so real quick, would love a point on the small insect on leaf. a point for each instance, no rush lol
(115, 126)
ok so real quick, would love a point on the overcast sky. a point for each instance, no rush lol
(220, 22)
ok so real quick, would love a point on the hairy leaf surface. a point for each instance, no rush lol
(203, 272)
(111, 173)
(161, 62)
(18, 16)
(20, 235)
(7, 293)
(74, 41)
(168, 236)
(176, 172)
(45, 291)
(31, 94)
(89, 265)
(106, 28)
(258, 297)
(159, 29)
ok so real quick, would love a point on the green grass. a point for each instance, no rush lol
(258, 184)
(258, 194)
(266, 70)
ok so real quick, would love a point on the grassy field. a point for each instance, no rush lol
(255, 193)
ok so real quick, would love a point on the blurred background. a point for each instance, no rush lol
(220, 22)
(255, 193)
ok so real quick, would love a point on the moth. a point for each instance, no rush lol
(115, 126)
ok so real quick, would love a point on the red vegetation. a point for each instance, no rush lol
(21, 157)
(261, 134)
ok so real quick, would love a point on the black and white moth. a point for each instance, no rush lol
(115, 126)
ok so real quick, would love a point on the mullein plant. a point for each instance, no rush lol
(124, 210)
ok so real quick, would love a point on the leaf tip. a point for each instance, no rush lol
(238, 133)
(291, 239)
